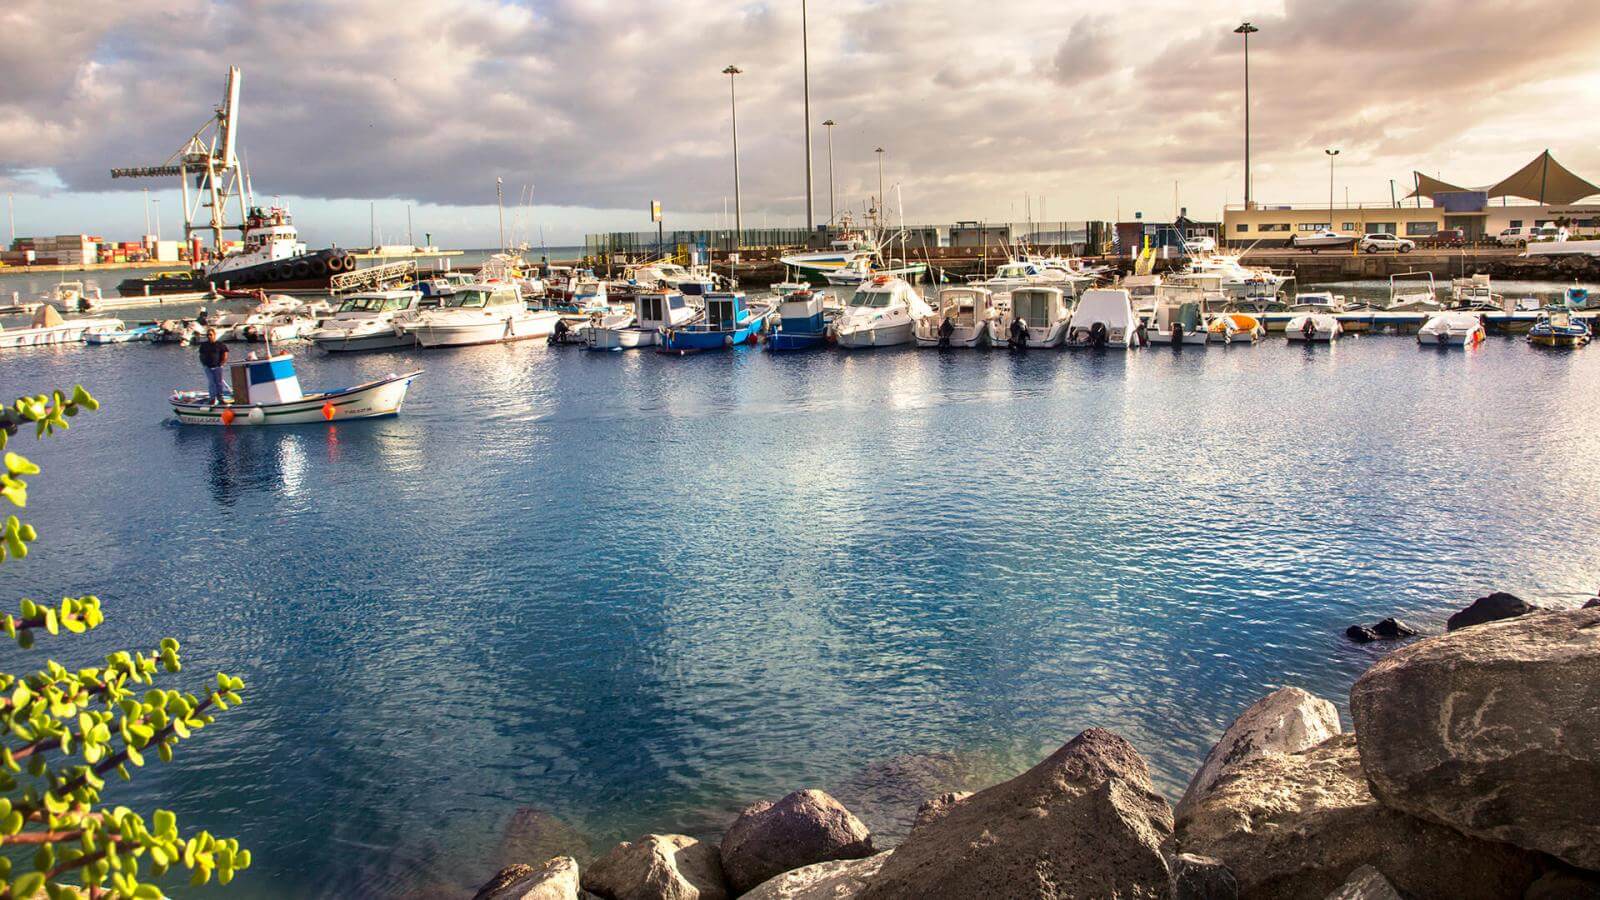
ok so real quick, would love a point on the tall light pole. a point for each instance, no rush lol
(499, 203)
(1246, 29)
(157, 203)
(805, 70)
(829, 124)
(147, 211)
(879, 204)
(1331, 155)
(738, 207)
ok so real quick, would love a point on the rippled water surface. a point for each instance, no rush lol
(634, 593)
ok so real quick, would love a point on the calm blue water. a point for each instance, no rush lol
(637, 592)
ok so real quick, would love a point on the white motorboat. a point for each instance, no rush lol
(1313, 328)
(1475, 293)
(47, 327)
(367, 322)
(266, 391)
(1258, 287)
(1323, 239)
(1454, 328)
(479, 314)
(881, 313)
(1044, 311)
(1413, 292)
(851, 245)
(1235, 328)
(1319, 302)
(1104, 317)
(1143, 290)
(653, 313)
(969, 312)
(1177, 323)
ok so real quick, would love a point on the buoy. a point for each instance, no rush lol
(256, 416)
(327, 410)
(227, 417)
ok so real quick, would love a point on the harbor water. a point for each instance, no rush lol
(634, 593)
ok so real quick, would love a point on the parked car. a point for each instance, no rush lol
(1448, 237)
(1202, 244)
(1320, 240)
(1373, 243)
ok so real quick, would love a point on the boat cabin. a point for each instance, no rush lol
(966, 306)
(726, 311)
(666, 309)
(264, 381)
(358, 306)
(1039, 306)
(801, 313)
(484, 296)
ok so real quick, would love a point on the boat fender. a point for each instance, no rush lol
(255, 415)
(227, 416)
(727, 341)
(327, 410)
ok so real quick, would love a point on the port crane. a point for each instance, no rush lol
(211, 157)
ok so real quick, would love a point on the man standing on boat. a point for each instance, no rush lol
(213, 353)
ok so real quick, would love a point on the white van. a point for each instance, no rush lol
(1518, 237)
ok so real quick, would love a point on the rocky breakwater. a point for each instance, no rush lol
(1473, 772)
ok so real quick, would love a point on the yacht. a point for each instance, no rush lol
(970, 312)
(47, 327)
(479, 314)
(1104, 317)
(1044, 309)
(881, 313)
(367, 322)
(653, 313)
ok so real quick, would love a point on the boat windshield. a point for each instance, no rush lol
(871, 299)
(1019, 270)
(469, 298)
(395, 304)
(361, 304)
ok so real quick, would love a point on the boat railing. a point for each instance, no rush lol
(373, 277)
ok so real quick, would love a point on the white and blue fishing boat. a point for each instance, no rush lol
(1559, 329)
(728, 322)
(653, 313)
(127, 336)
(266, 391)
(802, 324)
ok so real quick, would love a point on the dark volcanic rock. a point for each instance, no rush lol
(1361, 634)
(1202, 878)
(1565, 884)
(658, 867)
(1494, 732)
(1365, 883)
(886, 793)
(1082, 823)
(1388, 629)
(804, 828)
(1285, 721)
(1291, 826)
(935, 807)
(1592, 603)
(555, 880)
(1496, 606)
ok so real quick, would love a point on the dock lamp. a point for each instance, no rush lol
(1246, 29)
(829, 125)
(879, 151)
(738, 207)
(1331, 155)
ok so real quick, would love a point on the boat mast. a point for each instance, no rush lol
(805, 70)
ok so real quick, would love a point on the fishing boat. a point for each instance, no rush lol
(653, 313)
(367, 322)
(1451, 329)
(881, 313)
(1178, 323)
(125, 336)
(1558, 328)
(1314, 328)
(266, 391)
(964, 319)
(859, 270)
(802, 322)
(47, 327)
(729, 321)
(850, 246)
(1474, 293)
(1235, 328)
(1104, 318)
(1044, 311)
(479, 314)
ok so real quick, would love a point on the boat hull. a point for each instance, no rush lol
(376, 340)
(872, 337)
(65, 333)
(797, 340)
(621, 338)
(497, 331)
(375, 399)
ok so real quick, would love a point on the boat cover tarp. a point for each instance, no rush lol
(46, 317)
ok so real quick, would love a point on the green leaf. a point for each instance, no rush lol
(27, 885)
(17, 464)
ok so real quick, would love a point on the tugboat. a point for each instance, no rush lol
(273, 256)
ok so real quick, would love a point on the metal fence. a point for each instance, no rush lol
(1074, 236)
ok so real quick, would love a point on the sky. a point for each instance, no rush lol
(359, 109)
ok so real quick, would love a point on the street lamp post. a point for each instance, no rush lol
(829, 124)
(879, 204)
(1331, 155)
(1246, 29)
(738, 207)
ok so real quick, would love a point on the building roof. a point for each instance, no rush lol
(1543, 181)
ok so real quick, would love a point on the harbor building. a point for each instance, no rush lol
(1543, 192)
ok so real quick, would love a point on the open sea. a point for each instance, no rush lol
(569, 598)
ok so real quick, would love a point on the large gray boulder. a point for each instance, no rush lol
(658, 867)
(555, 880)
(1296, 825)
(803, 828)
(1365, 883)
(1498, 605)
(1493, 731)
(1287, 720)
(841, 879)
(1082, 823)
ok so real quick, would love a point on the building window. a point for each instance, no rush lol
(1539, 222)
(1382, 228)
(1421, 229)
(1516, 223)
(1275, 226)
(1241, 228)
(1313, 226)
(1348, 226)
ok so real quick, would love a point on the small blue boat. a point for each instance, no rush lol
(728, 322)
(801, 325)
(1559, 329)
(141, 333)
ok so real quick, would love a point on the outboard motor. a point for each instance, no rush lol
(559, 334)
(1309, 329)
(1177, 333)
(1098, 336)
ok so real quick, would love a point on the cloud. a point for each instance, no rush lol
(611, 104)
